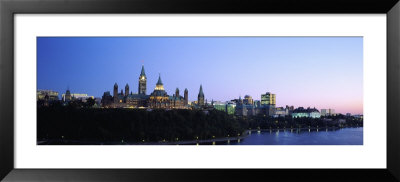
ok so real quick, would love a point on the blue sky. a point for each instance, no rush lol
(325, 72)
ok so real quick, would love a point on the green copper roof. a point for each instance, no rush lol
(159, 82)
(142, 72)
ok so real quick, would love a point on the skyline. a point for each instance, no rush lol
(227, 67)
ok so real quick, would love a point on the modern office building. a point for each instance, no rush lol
(218, 105)
(281, 112)
(245, 108)
(328, 112)
(248, 100)
(268, 99)
(230, 107)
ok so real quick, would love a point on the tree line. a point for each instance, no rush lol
(69, 122)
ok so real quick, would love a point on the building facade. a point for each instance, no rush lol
(158, 99)
(248, 100)
(268, 99)
(309, 113)
(142, 82)
(47, 95)
(328, 112)
(68, 96)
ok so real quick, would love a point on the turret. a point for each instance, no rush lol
(115, 93)
(177, 92)
(186, 97)
(126, 90)
(159, 84)
(200, 97)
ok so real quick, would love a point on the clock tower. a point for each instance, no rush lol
(142, 82)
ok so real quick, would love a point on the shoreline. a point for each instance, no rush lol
(187, 142)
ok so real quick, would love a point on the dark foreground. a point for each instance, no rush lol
(89, 126)
(320, 136)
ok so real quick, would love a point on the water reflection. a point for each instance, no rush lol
(309, 136)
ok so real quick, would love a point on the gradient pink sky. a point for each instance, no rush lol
(321, 72)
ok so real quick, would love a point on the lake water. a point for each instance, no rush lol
(343, 136)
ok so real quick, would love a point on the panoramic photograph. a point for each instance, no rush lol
(199, 90)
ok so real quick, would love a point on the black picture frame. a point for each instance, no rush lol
(8, 8)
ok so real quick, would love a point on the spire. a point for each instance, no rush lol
(201, 91)
(159, 82)
(142, 72)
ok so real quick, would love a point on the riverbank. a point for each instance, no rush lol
(214, 141)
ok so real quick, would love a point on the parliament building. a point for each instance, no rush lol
(158, 99)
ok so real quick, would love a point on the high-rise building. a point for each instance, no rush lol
(248, 100)
(268, 99)
(328, 112)
(268, 102)
(332, 112)
(200, 97)
(142, 82)
(257, 103)
(245, 107)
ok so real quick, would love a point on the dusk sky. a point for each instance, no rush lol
(321, 72)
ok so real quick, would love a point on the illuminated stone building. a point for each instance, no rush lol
(309, 112)
(127, 100)
(158, 99)
(177, 101)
